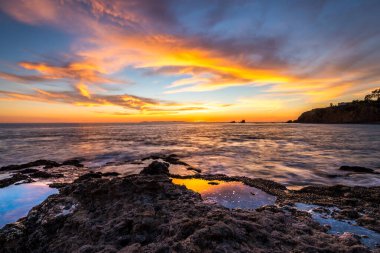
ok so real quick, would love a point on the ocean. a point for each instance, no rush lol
(292, 154)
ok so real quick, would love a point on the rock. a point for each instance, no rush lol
(349, 238)
(351, 214)
(144, 213)
(360, 112)
(171, 159)
(89, 175)
(57, 185)
(194, 169)
(110, 174)
(74, 162)
(14, 179)
(44, 174)
(46, 163)
(213, 183)
(156, 168)
(28, 171)
(357, 169)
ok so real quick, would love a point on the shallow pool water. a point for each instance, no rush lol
(17, 200)
(368, 237)
(228, 194)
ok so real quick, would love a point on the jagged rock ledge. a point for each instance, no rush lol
(148, 213)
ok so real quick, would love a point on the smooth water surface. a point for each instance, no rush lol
(17, 200)
(292, 154)
(228, 194)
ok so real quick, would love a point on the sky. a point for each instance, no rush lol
(179, 60)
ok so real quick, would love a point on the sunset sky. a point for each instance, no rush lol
(149, 60)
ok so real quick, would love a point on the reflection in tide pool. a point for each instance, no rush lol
(17, 200)
(228, 194)
(368, 237)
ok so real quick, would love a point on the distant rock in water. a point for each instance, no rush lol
(243, 121)
(357, 169)
(355, 112)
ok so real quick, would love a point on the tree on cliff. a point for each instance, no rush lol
(375, 95)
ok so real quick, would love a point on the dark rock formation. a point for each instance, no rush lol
(194, 169)
(145, 213)
(359, 112)
(156, 168)
(48, 164)
(44, 174)
(171, 159)
(74, 162)
(110, 174)
(357, 169)
(14, 179)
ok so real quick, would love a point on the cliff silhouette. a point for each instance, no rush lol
(365, 111)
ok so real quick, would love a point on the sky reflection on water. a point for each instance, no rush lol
(17, 200)
(228, 194)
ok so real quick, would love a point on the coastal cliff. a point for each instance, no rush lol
(355, 112)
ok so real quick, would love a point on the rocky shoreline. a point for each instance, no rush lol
(146, 212)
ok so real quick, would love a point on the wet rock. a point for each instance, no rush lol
(14, 179)
(74, 162)
(143, 213)
(156, 168)
(110, 174)
(357, 169)
(46, 163)
(367, 220)
(322, 210)
(171, 159)
(28, 171)
(349, 238)
(58, 185)
(194, 169)
(90, 175)
(44, 174)
(351, 214)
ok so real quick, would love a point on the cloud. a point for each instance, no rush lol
(22, 78)
(309, 51)
(133, 104)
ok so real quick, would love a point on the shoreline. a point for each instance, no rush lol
(356, 204)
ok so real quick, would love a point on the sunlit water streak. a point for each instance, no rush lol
(293, 154)
(17, 200)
